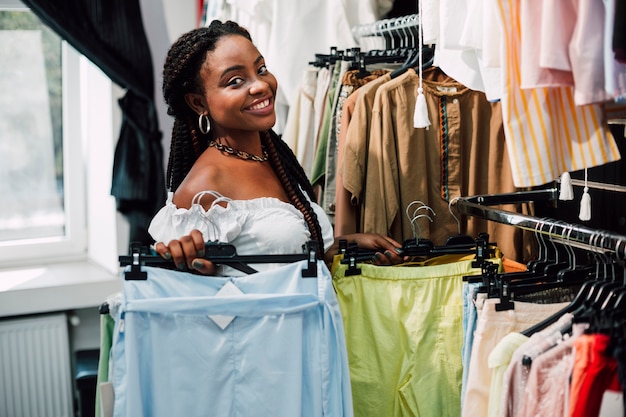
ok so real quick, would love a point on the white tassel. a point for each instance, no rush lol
(567, 193)
(585, 206)
(420, 116)
(585, 202)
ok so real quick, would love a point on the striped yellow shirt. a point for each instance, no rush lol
(546, 133)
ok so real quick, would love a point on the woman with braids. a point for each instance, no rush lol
(232, 179)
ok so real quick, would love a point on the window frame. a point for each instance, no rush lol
(90, 118)
(72, 244)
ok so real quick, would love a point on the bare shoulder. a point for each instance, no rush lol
(201, 178)
(231, 177)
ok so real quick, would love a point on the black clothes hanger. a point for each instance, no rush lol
(593, 278)
(410, 36)
(455, 244)
(324, 60)
(428, 57)
(600, 293)
(590, 299)
(614, 312)
(508, 291)
(617, 299)
(219, 253)
(420, 248)
(551, 257)
(508, 287)
(540, 275)
(546, 276)
(425, 248)
(459, 238)
(556, 258)
(575, 271)
(570, 308)
(360, 60)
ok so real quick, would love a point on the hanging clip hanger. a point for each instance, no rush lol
(459, 238)
(417, 246)
(412, 217)
(483, 250)
(136, 260)
(508, 284)
(219, 253)
(351, 257)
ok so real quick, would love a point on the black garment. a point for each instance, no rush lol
(111, 34)
(619, 353)
(138, 177)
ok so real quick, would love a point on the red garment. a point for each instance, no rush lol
(594, 372)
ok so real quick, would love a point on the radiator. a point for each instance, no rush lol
(35, 367)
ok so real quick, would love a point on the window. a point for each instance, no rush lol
(42, 198)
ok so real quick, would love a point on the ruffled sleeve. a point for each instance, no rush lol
(172, 222)
(262, 225)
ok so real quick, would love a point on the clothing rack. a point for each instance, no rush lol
(386, 26)
(573, 234)
(397, 32)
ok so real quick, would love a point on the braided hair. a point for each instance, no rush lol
(292, 176)
(181, 75)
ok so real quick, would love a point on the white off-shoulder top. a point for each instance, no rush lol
(259, 226)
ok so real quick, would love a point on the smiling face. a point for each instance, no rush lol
(238, 89)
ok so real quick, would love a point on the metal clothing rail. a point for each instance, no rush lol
(568, 233)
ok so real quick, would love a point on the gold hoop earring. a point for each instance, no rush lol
(202, 125)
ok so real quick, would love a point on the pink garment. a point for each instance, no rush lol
(532, 38)
(566, 48)
(558, 19)
(546, 392)
(491, 327)
(517, 373)
(614, 71)
(587, 53)
(514, 382)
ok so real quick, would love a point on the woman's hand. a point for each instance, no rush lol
(388, 251)
(188, 251)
